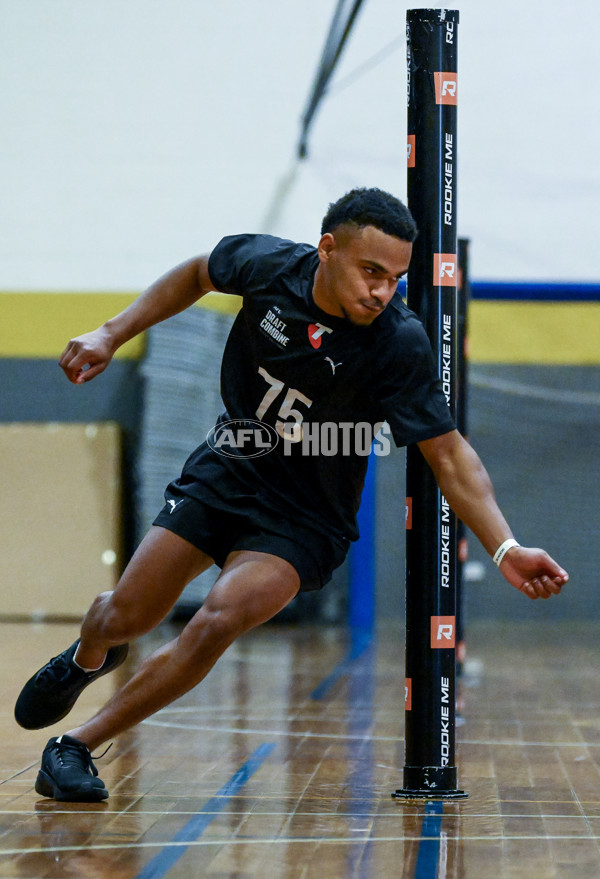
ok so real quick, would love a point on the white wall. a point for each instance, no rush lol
(136, 133)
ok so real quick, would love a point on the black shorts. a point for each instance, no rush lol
(220, 526)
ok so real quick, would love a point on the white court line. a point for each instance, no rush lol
(20, 772)
(263, 732)
(334, 713)
(296, 813)
(232, 730)
(291, 840)
(318, 717)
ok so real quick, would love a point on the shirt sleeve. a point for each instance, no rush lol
(242, 264)
(411, 394)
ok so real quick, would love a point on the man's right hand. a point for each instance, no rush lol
(87, 356)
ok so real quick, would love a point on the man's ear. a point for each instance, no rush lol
(326, 246)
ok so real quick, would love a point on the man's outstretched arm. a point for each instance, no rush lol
(88, 355)
(465, 484)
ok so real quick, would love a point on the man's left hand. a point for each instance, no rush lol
(533, 572)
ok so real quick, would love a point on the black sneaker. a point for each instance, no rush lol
(50, 694)
(68, 773)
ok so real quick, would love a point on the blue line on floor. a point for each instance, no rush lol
(160, 865)
(429, 847)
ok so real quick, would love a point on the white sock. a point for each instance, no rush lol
(88, 670)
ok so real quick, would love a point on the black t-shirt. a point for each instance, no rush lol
(319, 381)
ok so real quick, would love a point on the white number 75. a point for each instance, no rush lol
(291, 431)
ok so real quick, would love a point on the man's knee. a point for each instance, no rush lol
(116, 621)
(246, 595)
(214, 627)
(217, 625)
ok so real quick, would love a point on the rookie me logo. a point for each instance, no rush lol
(442, 632)
(446, 88)
(242, 438)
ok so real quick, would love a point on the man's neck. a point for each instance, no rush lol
(320, 297)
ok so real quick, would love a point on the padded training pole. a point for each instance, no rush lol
(462, 410)
(431, 545)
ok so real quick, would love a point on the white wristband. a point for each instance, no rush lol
(503, 549)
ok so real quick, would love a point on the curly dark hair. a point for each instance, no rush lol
(371, 207)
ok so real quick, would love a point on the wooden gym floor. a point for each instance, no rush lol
(281, 766)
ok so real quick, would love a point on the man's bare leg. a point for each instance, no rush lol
(159, 570)
(154, 578)
(251, 589)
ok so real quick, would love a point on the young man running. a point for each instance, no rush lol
(322, 337)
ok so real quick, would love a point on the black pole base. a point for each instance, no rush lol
(428, 783)
(404, 794)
